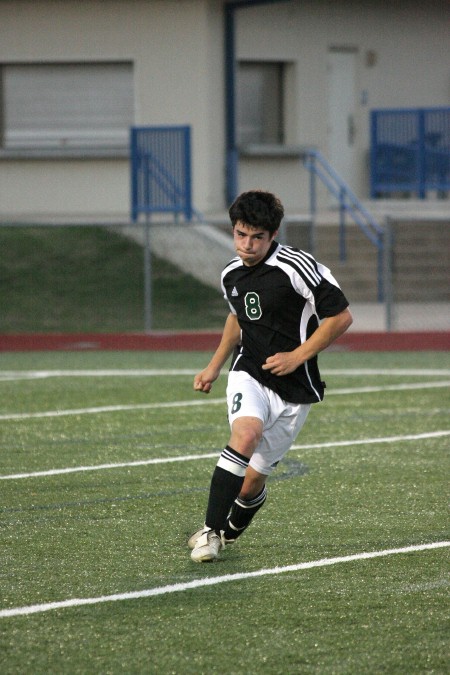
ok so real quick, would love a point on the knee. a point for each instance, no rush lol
(245, 438)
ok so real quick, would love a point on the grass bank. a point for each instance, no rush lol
(89, 279)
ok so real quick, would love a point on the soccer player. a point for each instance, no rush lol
(285, 308)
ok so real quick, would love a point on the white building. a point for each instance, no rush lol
(76, 74)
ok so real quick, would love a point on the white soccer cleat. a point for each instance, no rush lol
(194, 537)
(207, 547)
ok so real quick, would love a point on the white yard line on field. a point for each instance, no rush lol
(118, 372)
(369, 441)
(209, 401)
(389, 387)
(214, 581)
(116, 465)
(210, 455)
(111, 408)
(157, 372)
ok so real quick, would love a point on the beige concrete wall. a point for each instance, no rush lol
(64, 189)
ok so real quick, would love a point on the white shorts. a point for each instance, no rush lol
(281, 420)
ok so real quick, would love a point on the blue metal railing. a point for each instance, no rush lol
(160, 159)
(161, 171)
(410, 151)
(349, 205)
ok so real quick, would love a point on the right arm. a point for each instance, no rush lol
(231, 337)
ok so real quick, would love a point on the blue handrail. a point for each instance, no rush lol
(349, 204)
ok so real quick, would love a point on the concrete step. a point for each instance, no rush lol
(421, 270)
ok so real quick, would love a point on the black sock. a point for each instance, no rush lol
(242, 513)
(226, 483)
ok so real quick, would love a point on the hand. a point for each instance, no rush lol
(282, 363)
(203, 381)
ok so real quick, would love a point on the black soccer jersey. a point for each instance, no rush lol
(278, 304)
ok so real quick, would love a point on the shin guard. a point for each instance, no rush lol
(226, 484)
(242, 513)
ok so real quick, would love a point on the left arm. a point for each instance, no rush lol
(331, 328)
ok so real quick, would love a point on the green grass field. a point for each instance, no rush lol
(104, 472)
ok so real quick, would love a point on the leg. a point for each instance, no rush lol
(250, 499)
(253, 483)
(230, 474)
(228, 480)
(246, 432)
(248, 405)
(246, 412)
(277, 438)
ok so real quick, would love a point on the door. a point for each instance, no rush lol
(341, 113)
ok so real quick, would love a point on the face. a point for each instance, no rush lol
(251, 243)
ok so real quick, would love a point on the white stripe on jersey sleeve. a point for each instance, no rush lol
(296, 258)
(303, 263)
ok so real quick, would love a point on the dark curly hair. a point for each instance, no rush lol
(257, 208)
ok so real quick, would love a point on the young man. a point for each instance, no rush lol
(277, 295)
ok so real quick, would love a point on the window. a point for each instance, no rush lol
(70, 105)
(260, 109)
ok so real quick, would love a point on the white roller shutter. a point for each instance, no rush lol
(67, 105)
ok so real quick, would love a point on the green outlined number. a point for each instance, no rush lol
(237, 398)
(253, 306)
